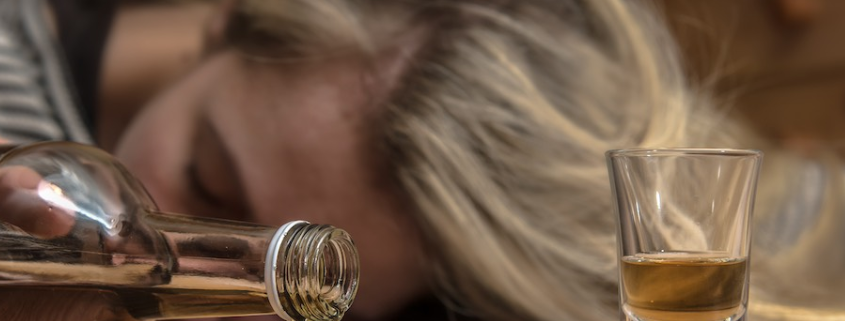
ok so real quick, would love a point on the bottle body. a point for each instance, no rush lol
(206, 270)
(78, 220)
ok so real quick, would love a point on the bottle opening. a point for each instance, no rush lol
(312, 274)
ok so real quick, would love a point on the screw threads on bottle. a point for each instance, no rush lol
(311, 272)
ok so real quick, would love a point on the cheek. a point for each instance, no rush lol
(392, 273)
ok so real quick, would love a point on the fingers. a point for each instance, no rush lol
(35, 304)
(22, 204)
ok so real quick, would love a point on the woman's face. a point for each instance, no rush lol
(272, 143)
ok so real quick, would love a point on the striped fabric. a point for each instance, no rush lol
(36, 103)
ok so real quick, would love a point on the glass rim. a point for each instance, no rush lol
(682, 151)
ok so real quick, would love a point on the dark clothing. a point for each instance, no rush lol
(36, 98)
(83, 32)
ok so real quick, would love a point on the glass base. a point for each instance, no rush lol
(638, 314)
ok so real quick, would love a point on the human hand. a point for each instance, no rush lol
(21, 208)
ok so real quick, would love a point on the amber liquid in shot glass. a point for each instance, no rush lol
(683, 286)
(683, 232)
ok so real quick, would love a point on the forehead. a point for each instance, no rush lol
(309, 101)
(294, 131)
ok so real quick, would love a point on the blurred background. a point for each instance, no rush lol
(780, 64)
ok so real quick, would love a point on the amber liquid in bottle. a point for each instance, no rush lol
(200, 287)
(171, 303)
(683, 286)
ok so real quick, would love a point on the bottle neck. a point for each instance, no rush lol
(311, 272)
(302, 271)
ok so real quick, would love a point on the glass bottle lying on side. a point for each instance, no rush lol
(73, 217)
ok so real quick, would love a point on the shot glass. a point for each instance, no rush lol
(683, 231)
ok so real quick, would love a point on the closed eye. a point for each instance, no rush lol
(212, 176)
(199, 188)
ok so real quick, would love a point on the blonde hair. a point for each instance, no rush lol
(498, 129)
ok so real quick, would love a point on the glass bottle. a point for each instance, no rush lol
(72, 217)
